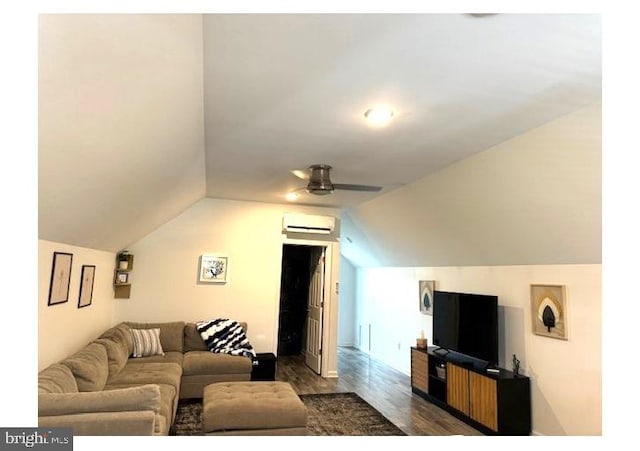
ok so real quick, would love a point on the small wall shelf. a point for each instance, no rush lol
(122, 276)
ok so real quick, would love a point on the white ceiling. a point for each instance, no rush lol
(140, 116)
(283, 92)
(120, 125)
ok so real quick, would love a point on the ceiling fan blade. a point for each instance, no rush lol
(346, 186)
(301, 174)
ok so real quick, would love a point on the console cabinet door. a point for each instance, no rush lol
(483, 400)
(419, 367)
(458, 388)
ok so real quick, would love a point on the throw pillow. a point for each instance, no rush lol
(146, 342)
(223, 335)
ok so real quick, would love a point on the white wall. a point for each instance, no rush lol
(566, 376)
(64, 328)
(120, 125)
(533, 199)
(346, 313)
(165, 274)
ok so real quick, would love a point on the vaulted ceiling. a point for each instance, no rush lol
(142, 115)
(287, 91)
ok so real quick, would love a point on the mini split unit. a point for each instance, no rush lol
(308, 223)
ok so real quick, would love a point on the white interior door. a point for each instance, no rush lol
(313, 354)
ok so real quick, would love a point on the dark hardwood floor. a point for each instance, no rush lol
(385, 388)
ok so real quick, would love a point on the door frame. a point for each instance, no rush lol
(329, 358)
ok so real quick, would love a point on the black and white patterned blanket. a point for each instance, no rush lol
(223, 335)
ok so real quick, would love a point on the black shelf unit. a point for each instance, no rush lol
(510, 408)
(437, 374)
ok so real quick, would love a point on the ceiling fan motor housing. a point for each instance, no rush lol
(319, 181)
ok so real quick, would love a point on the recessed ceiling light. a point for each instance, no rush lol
(291, 196)
(379, 116)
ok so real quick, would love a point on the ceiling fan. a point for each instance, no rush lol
(320, 181)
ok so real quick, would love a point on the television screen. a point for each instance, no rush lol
(466, 323)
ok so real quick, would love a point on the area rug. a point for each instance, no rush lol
(328, 414)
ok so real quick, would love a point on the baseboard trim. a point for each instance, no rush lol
(332, 373)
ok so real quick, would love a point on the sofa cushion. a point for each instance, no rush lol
(90, 367)
(206, 362)
(193, 340)
(171, 334)
(168, 357)
(121, 334)
(146, 342)
(166, 401)
(117, 354)
(135, 423)
(144, 397)
(57, 378)
(148, 373)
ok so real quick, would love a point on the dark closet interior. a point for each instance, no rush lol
(294, 291)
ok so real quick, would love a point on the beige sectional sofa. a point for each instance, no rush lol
(102, 390)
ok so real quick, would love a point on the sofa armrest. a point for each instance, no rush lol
(142, 398)
(143, 422)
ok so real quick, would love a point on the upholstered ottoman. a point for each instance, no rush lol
(252, 408)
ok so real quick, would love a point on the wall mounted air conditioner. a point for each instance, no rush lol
(308, 223)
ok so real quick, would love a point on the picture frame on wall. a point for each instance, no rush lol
(426, 296)
(213, 268)
(87, 277)
(549, 311)
(60, 278)
(122, 278)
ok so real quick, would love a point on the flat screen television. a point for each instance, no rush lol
(467, 324)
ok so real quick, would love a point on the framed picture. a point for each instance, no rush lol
(213, 268)
(122, 277)
(60, 278)
(86, 285)
(549, 311)
(426, 296)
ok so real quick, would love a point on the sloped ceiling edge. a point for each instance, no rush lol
(534, 199)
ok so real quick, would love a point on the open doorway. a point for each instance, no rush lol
(301, 303)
